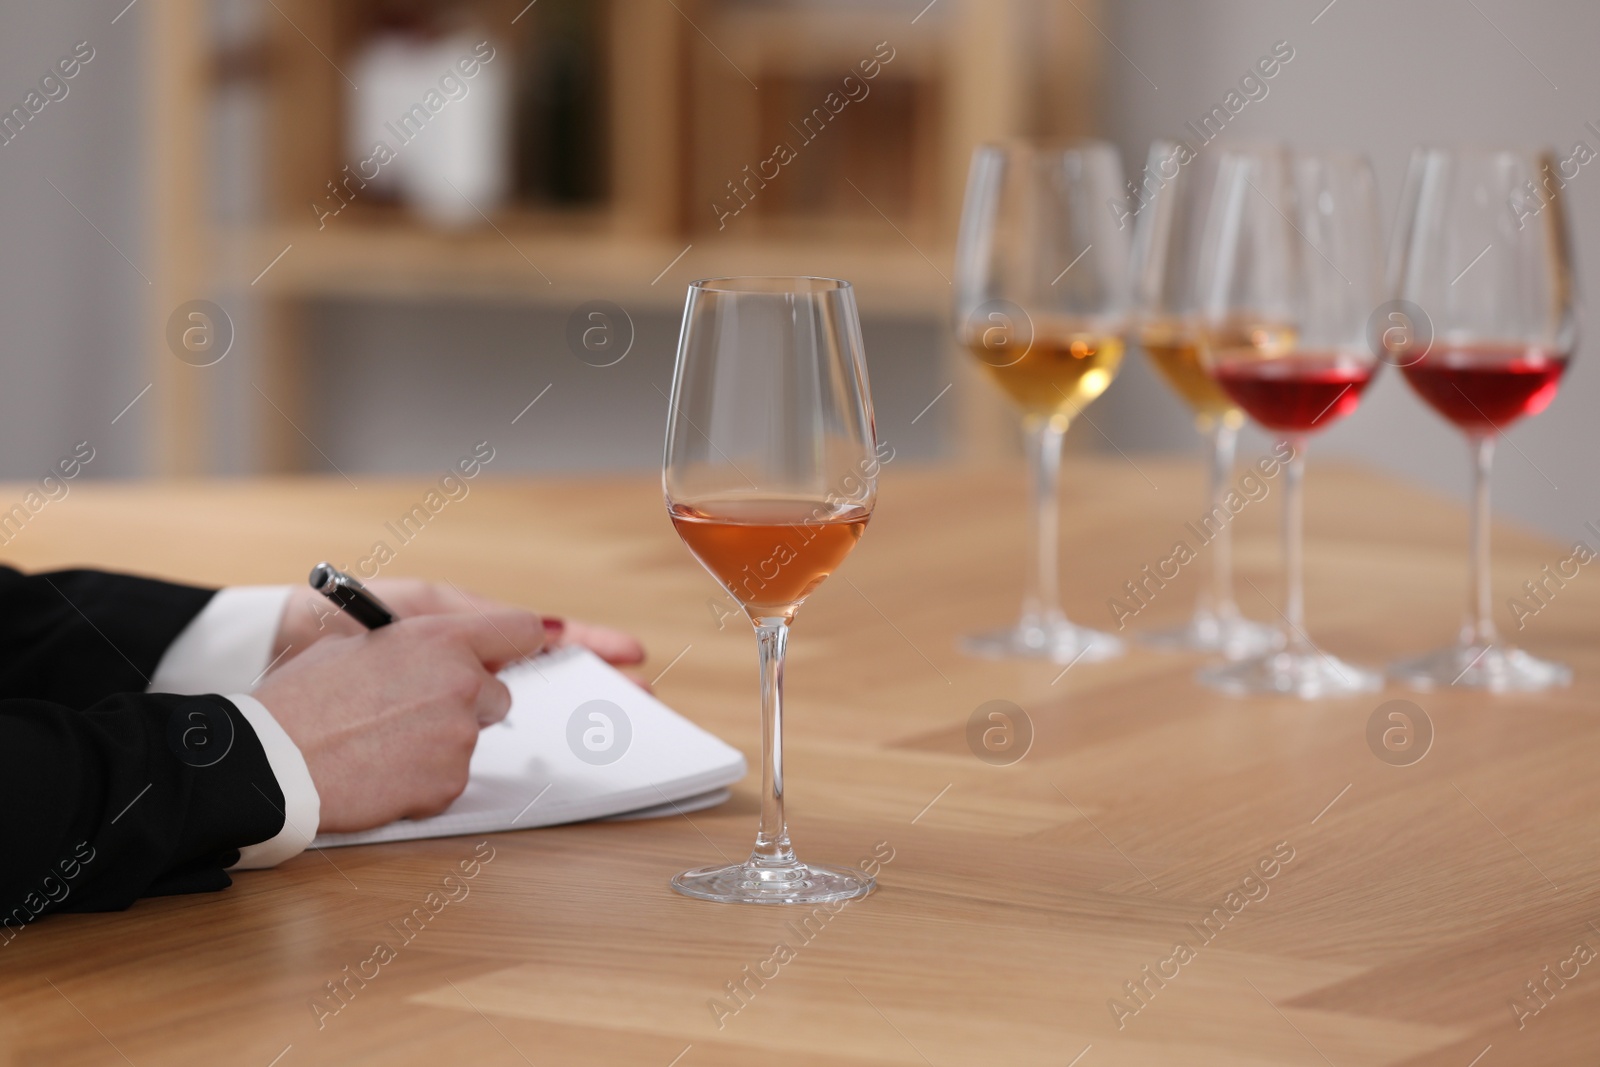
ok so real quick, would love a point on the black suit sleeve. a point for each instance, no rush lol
(135, 796)
(108, 794)
(78, 637)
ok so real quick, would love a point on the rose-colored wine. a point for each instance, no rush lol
(1483, 388)
(770, 554)
(1307, 392)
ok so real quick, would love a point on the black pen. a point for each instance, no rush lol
(351, 595)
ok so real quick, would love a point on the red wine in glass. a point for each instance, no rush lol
(1291, 270)
(1295, 396)
(1499, 336)
(1482, 388)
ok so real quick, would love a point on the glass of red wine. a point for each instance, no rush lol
(1291, 268)
(1166, 247)
(770, 476)
(1487, 321)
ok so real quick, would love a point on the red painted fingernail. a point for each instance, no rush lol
(554, 627)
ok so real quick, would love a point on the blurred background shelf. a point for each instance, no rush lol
(525, 263)
(192, 146)
(639, 137)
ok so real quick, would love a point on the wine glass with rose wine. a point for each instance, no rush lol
(1041, 304)
(1166, 247)
(1291, 269)
(1483, 267)
(770, 476)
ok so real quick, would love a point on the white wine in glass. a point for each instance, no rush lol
(770, 476)
(1166, 244)
(1041, 303)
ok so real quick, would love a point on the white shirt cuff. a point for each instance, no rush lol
(225, 648)
(302, 805)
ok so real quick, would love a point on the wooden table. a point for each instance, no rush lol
(1019, 899)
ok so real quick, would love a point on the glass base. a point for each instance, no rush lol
(1234, 637)
(1051, 637)
(1307, 675)
(1495, 668)
(799, 883)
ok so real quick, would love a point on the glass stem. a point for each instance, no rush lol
(1294, 549)
(1479, 629)
(1043, 600)
(1224, 443)
(772, 840)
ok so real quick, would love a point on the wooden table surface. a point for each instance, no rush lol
(1406, 909)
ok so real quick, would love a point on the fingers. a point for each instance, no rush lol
(614, 646)
(493, 703)
(411, 598)
(322, 616)
(414, 596)
(499, 638)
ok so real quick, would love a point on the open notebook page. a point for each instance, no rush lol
(581, 742)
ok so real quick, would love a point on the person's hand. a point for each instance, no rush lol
(387, 720)
(308, 617)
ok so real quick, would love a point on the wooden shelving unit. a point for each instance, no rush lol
(692, 91)
(529, 264)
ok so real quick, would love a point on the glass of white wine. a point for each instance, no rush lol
(1041, 302)
(1166, 250)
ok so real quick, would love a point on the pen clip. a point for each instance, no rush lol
(351, 596)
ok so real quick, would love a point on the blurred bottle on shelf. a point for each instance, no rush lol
(431, 122)
(560, 105)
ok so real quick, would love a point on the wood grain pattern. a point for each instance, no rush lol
(1019, 899)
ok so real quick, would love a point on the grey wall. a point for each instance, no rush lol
(70, 357)
(1381, 75)
(414, 387)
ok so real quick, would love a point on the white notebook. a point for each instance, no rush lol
(582, 742)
